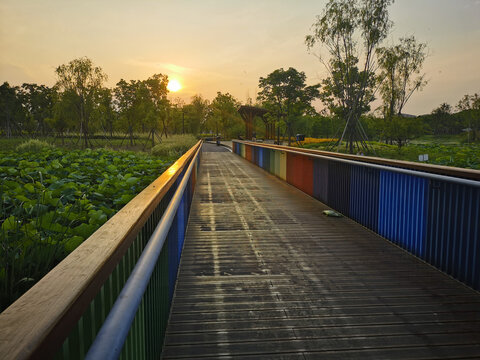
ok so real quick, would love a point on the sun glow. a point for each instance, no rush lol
(174, 85)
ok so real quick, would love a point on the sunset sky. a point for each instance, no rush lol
(222, 45)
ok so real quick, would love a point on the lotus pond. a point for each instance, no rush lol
(52, 200)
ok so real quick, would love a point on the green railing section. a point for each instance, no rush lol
(151, 320)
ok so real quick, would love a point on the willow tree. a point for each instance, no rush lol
(400, 74)
(350, 31)
(400, 77)
(82, 80)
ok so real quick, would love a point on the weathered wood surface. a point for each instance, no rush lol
(264, 275)
(39, 321)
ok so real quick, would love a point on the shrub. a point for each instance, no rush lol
(34, 145)
(174, 145)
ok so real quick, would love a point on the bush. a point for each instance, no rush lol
(174, 145)
(34, 145)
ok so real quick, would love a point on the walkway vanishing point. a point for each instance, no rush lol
(264, 275)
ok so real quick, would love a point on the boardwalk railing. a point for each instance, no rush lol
(137, 250)
(431, 211)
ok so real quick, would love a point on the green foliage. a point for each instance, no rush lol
(195, 114)
(51, 200)
(286, 96)
(34, 145)
(12, 111)
(469, 107)
(459, 155)
(350, 31)
(223, 117)
(38, 102)
(401, 129)
(143, 105)
(174, 146)
(399, 64)
(81, 80)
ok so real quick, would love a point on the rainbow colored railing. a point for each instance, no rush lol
(431, 211)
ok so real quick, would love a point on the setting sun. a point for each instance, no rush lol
(174, 85)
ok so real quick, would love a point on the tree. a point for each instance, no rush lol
(12, 113)
(38, 102)
(196, 114)
(401, 129)
(223, 116)
(286, 96)
(322, 126)
(65, 115)
(399, 66)
(143, 105)
(104, 112)
(126, 101)
(469, 106)
(350, 31)
(177, 118)
(399, 78)
(159, 106)
(82, 80)
(442, 121)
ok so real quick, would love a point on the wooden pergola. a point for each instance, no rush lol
(248, 113)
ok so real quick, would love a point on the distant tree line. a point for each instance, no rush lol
(80, 105)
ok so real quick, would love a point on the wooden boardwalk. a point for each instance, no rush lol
(264, 275)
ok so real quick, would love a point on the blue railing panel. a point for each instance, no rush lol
(453, 238)
(402, 210)
(364, 189)
(339, 186)
(320, 180)
(260, 155)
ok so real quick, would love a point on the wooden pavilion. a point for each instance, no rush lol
(248, 113)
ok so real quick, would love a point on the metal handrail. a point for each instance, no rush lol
(465, 173)
(109, 342)
(432, 176)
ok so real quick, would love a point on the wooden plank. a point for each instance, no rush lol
(427, 341)
(38, 322)
(265, 275)
(324, 321)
